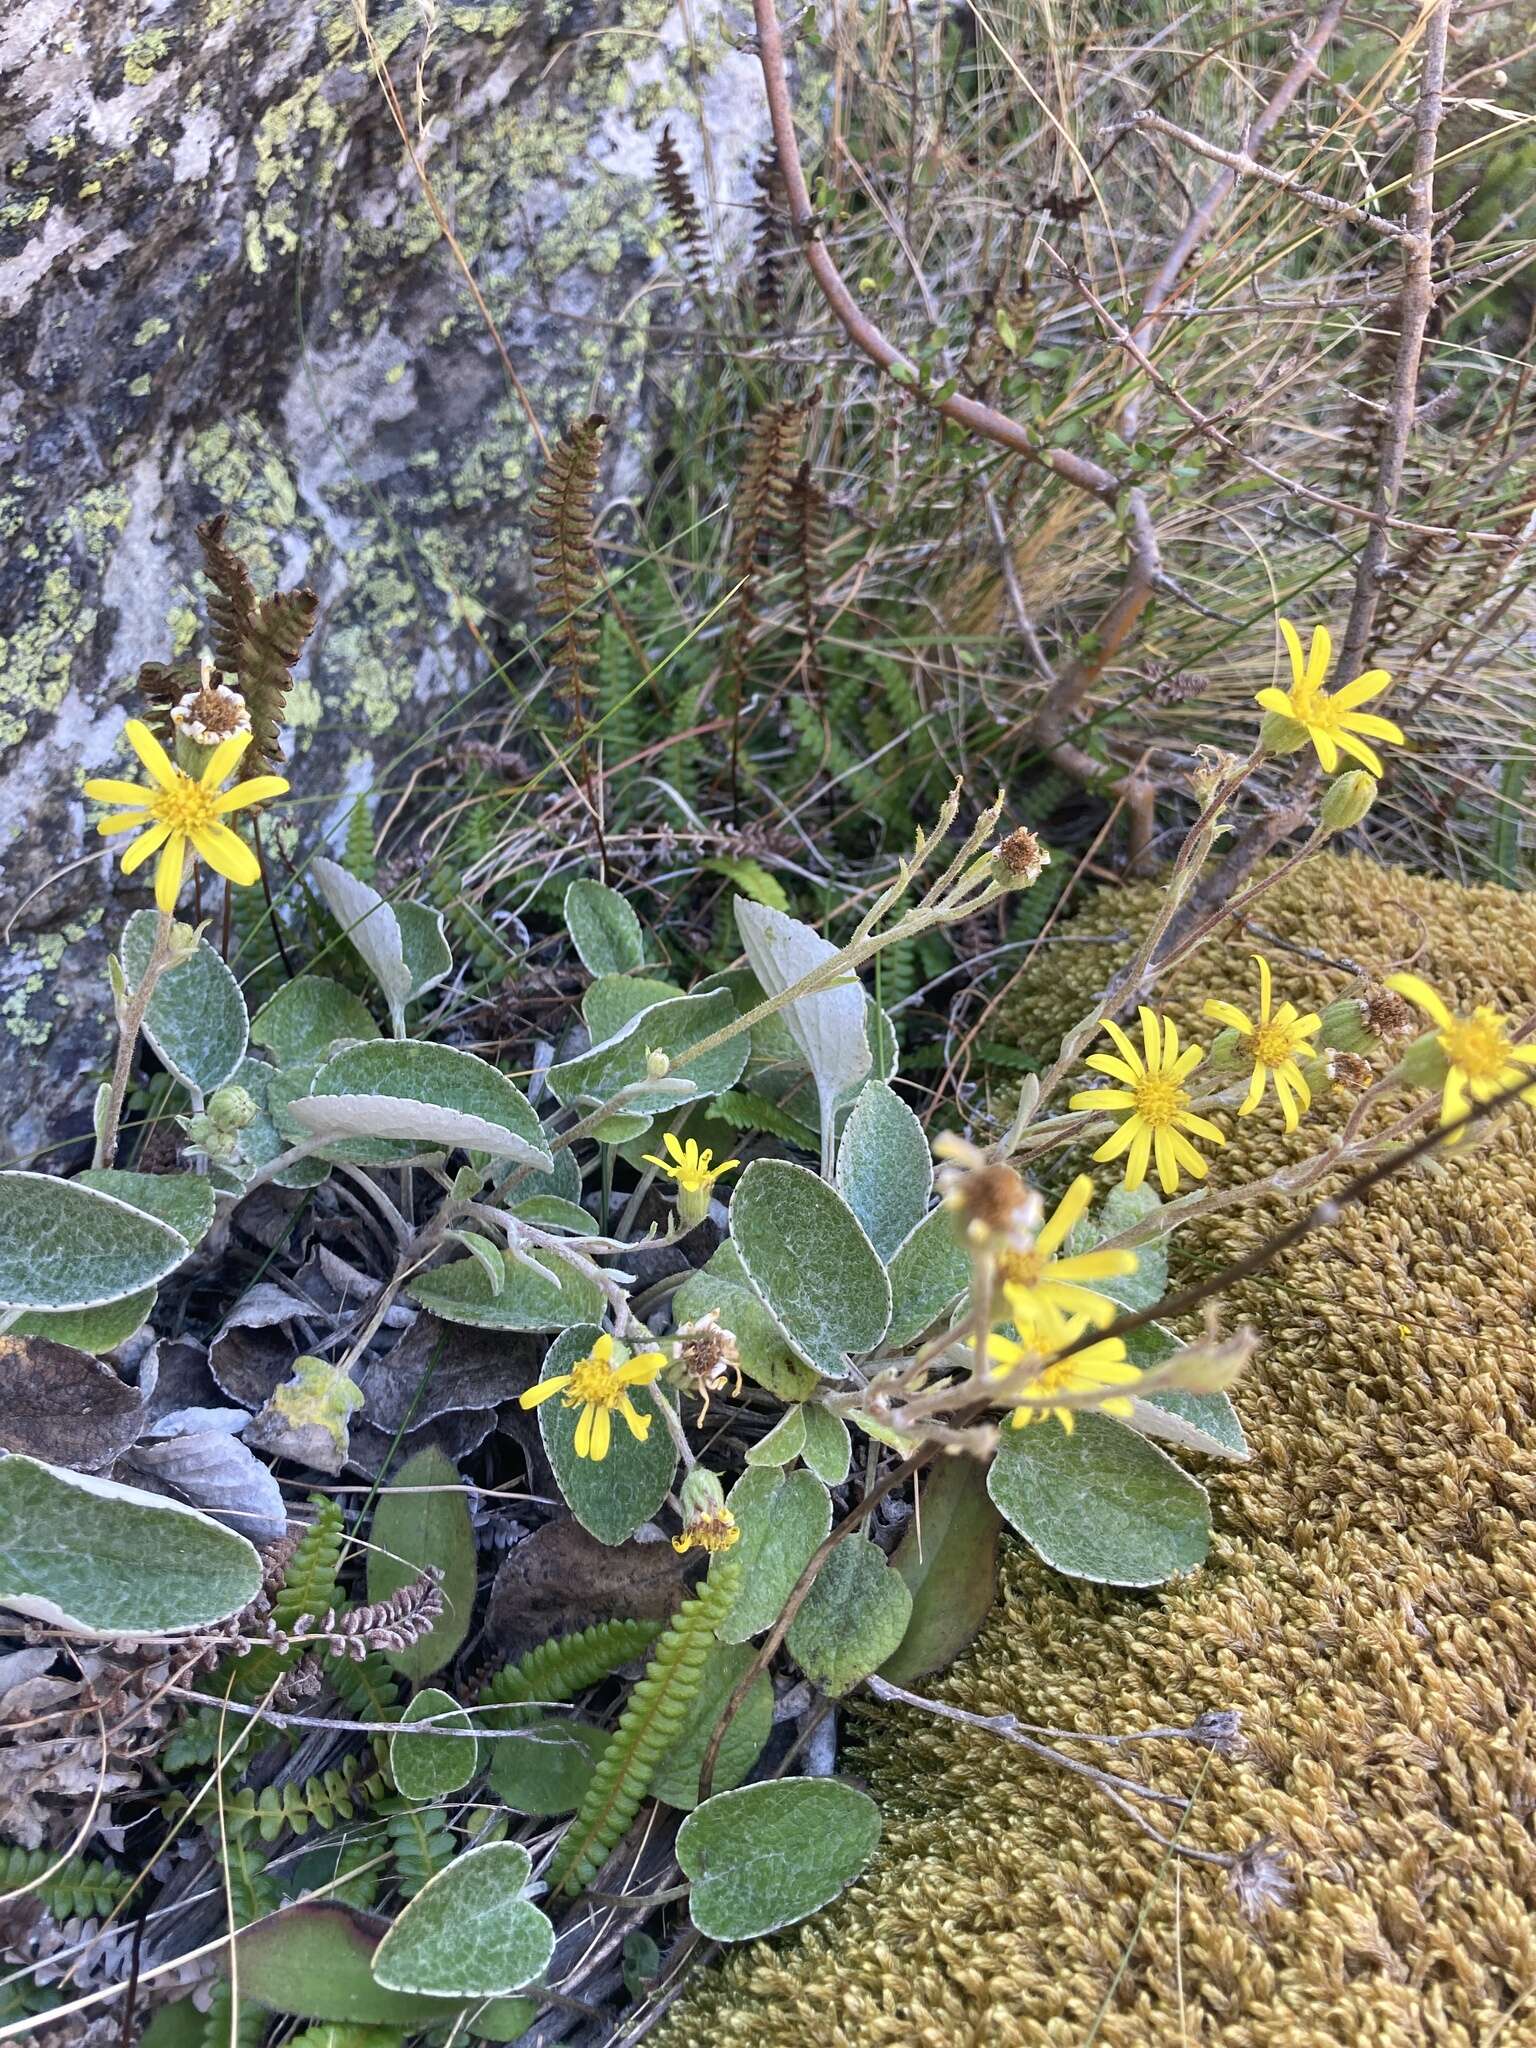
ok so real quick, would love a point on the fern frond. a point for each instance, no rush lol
(250, 2022)
(80, 1889)
(652, 1717)
(745, 1111)
(360, 857)
(370, 1689)
(421, 1841)
(255, 640)
(310, 1584)
(342, 1793)
(770, 238)
(672, 182)
(751, 878)
(567, 1665)
(565, 559)
(253, 1891)
(808, 517)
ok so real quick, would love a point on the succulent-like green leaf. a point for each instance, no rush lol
(546, 1767)
(764, 1856)
(314, 1961)
(89, 1329)
(373, 929)
(183, 1200)
(196, 1018)
(423, 1519)
(852, 1619)
(784, 1442)
(809, 1261)
(604, 929)
(426, 1764)
(307, 1017)
(884, 1168)
(948, 1559)
(613, 999)
(828, 1448)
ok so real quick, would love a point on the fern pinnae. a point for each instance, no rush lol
(677, 196)
(78, 1888)
(652, 1716)
(565, 558)
(567, 1665)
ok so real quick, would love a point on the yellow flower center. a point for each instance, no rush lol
(186, 806)
(1272, 1044)
(1478, 1044)
(1159, 1100)
(1312, 708)
(594, 1385)
(1021, 1269)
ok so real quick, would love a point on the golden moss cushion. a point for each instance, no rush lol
(1370, 1606)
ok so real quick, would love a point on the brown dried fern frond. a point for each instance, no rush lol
(770, 238)
(808, 519)
(677, 196)
(257, 640)
(565, 558)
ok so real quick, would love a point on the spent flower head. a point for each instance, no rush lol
(1152, 1102)
(994, 1207)
(705, 1357)
(176, 814)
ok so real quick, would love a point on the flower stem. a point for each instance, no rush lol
(131, 1015)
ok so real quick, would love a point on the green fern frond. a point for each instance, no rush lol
(355, 1784)
(310, 1583)
(751, 878)
(421, 1842)
(568, 1665)
(745, 1111)
(652, 1716)
(253, 1891)
(359, 857)
(370, 1689)
(249, 2026)
(80, 1889)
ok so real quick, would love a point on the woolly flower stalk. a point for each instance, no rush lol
(1274, 1041)
(600, 1385)
(1481, 1059)
(1152, 1102)
(176, 813)
(1038, 1287)
(1333, 724)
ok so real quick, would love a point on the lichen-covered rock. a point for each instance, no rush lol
(223, 286)
(1367, 1607)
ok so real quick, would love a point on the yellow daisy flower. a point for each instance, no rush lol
(1274, 1043)
(1333, 724)
(598, 1385)
(694, 1173)
(1036, 1285)
(176, 813)
(1481, 1059)
(1155, 1102)
(1102, 1364)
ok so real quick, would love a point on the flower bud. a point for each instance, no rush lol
(1346, 1025)
(1223, 1053)
(657, 1065)
(701, 1492)
(1347, 800)
(1423, 1065)
(1019, 860)
(231, 1107)
(1280, 734)
(182, 941)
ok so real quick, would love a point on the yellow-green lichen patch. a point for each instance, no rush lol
(37, 657)
(145, 54)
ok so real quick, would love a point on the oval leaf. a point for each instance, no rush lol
(762, 1346)
(948, 1559)
(307, 1017)
(852, 1619)
(196, 1018)
(604, 930)
(676, 1782)
(525, 1300)
(929, 1273)
(103, 1559)
(314, 1961)
(884, 1168)
(64, 1246)
(430, 1765)
(611, 1496)
(469, 1932)
(89, 1329)
(423, 1519)
(828, 1026)
(765, 1856)
(808, 1259)
(371, 925)
(671, 1027)
(783, 1519)
(1100, 1503)
(828, 1447)
(409, 1089)
(183, 1200)
(545, 1768)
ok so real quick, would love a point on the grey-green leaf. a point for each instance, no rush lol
(1118, 1211)
(764, 1856)
(64, 1246)
(196, 1018)
(671, 1028)
(410, 1089)
(613, 999)
(89, 1329)
(784, 1442)
(546, 1766)
(1194, 1422)
(884, 1168)
(307, 1017)
(828, 1448)
(423, 945)
(1100, 1503)
(469, 1932)
(373, 928)
(809, 1261)
(428, 1764)
(783, 1519)
(526, 1300)
(90, 1555)
(676, 1782)
(183, 1200)
(604, 930)
(829, 1025)
(423, 1519)
(852, 1619)
(610, 1496)
(929, 1272)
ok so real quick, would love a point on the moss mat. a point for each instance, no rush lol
(1370, 1606)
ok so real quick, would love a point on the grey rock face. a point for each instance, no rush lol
(223, 286)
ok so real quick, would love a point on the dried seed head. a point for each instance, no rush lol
(1389, 1015)
(994, 1205)
(1349, 1071)
(1019, 860)
(210, 713)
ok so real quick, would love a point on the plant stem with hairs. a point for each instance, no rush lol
(131, 1012)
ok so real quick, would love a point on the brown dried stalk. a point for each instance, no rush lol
(672, 182)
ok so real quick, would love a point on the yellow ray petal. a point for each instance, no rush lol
(1292, 639)
(150, 752)
(1228, 1014)
(1072, 1207)
(1327, 748)
(1319, 658)
(1114, 1145)
(1275, 700)
(259, 790)
(1127, 1051)
(102, 789)
(1362, 689)
(1151, 1037)
(226, 854)
(122, 821)
(1106, 1063)
(1202, 1128)
(1366, 756)
(545, 1390)
(1266, 986)
(170, 872)
(222, 761)
(1167, 1163)
(1375, 728)
(141, 849)
(1255, 1093)
(1136, 1163)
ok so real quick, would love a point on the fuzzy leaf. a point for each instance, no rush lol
(196, 1018)
(423, 1519)
(677, 1776)
(767, 1855)
(90, 1329)
(670, 1027)
(810, 1263)
(314, 1961)
(462, 1293)
(373, 929)
(611, 1496)
(545, 1768)
(1100, 1503)
(214, 1471)
(1118, 1211)
(395, 1088)
(948, 1559)
(765, 1353)
(469, 1932)
(424, 945)
(884, 1168)
(828, 1448)
(183, 1200)
(783, 1518)
(64, 1246)
(784, 1442)
(103, 1559)
(613, 999)
(429, 1765)
(604, 930)
(1194, 1422)
(852, 1619)
(307, 1016)
(829, 1026)
(929, 1272)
